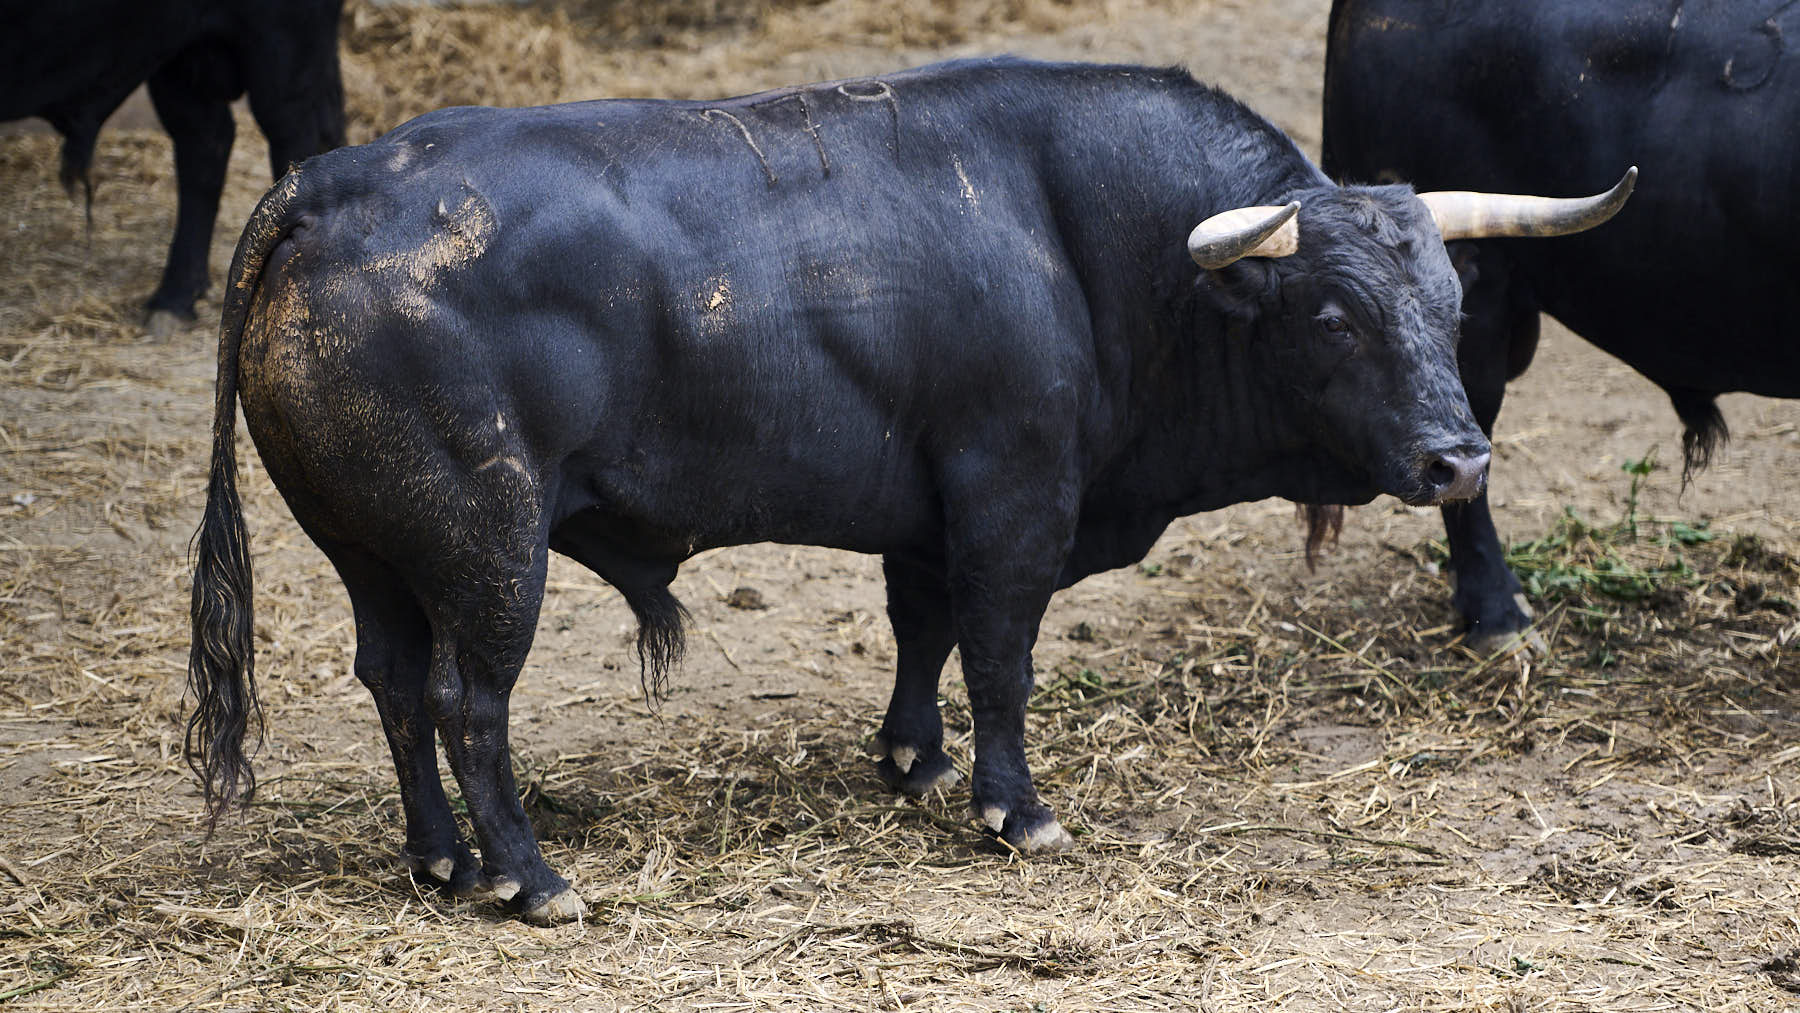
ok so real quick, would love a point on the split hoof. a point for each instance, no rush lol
(1526, 643)
(1507, 634)
(1033, 831)
(564, 907)
(1046, 839)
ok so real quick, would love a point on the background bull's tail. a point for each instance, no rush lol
(221, 662)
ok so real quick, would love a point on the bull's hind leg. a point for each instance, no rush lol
(482, 625)
(393, 653)
(909, 749)
(192, 98)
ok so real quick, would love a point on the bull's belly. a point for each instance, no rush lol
(1715, 353)
(695, 506)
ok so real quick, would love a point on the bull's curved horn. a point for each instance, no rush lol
(1229, 236)
(1464, 214)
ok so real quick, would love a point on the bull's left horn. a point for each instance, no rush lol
(1465, 214)
(1230, 236)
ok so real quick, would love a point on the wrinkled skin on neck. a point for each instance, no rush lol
(1351, 345)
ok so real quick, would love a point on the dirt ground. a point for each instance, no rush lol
(1290, 790)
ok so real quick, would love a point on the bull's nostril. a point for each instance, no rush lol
(1456, 476)
(1440, 473)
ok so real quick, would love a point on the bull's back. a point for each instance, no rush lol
(704, 306)
(1549, 98)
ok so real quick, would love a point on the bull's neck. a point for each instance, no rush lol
(1197, 421)
(1212, 425)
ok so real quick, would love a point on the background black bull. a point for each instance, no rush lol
(944, 316)
(1692, 286)
(73, 62)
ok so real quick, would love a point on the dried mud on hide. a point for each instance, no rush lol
(1289, 790)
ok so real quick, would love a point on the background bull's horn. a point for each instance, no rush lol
(1463, 214)
(1245, 232)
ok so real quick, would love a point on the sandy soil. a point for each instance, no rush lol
(1270, 811)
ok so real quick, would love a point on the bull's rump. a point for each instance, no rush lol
(629, 307)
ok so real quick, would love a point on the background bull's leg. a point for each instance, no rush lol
(482, 630)
(1499, 336)
(910, 746)
(393, 653)
(199, 122)
(292, 77)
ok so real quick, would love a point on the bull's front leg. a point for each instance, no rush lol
(1488, 596)
(909, 749)
(1499, 336)
(1003, 563)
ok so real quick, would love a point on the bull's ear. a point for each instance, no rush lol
(1465, 257)
(1238, 290)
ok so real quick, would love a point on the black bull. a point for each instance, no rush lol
(74, 61)
(1693, 286)
(945, 316)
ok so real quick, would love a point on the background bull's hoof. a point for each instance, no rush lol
(564, 907)
(1518, 637)
(161, 325)
(1526, 643)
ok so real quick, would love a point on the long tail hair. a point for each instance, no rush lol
(222, 659)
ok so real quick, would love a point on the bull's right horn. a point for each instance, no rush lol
(1465, 214)
(1230, 236)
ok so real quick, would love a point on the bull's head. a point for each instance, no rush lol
(1358, 308)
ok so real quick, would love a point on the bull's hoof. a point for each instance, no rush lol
(1513, 634)
(911, 770)
(1501, 625)
(563, 907)
(926, 775)
(1526, 643)
(1030, 830)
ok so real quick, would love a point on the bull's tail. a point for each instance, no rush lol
(221, 661)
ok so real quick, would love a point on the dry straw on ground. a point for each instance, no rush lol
(1289, 792)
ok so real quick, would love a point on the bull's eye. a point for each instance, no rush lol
(1335, 324)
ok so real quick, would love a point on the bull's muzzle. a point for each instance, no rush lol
(1454, 477)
